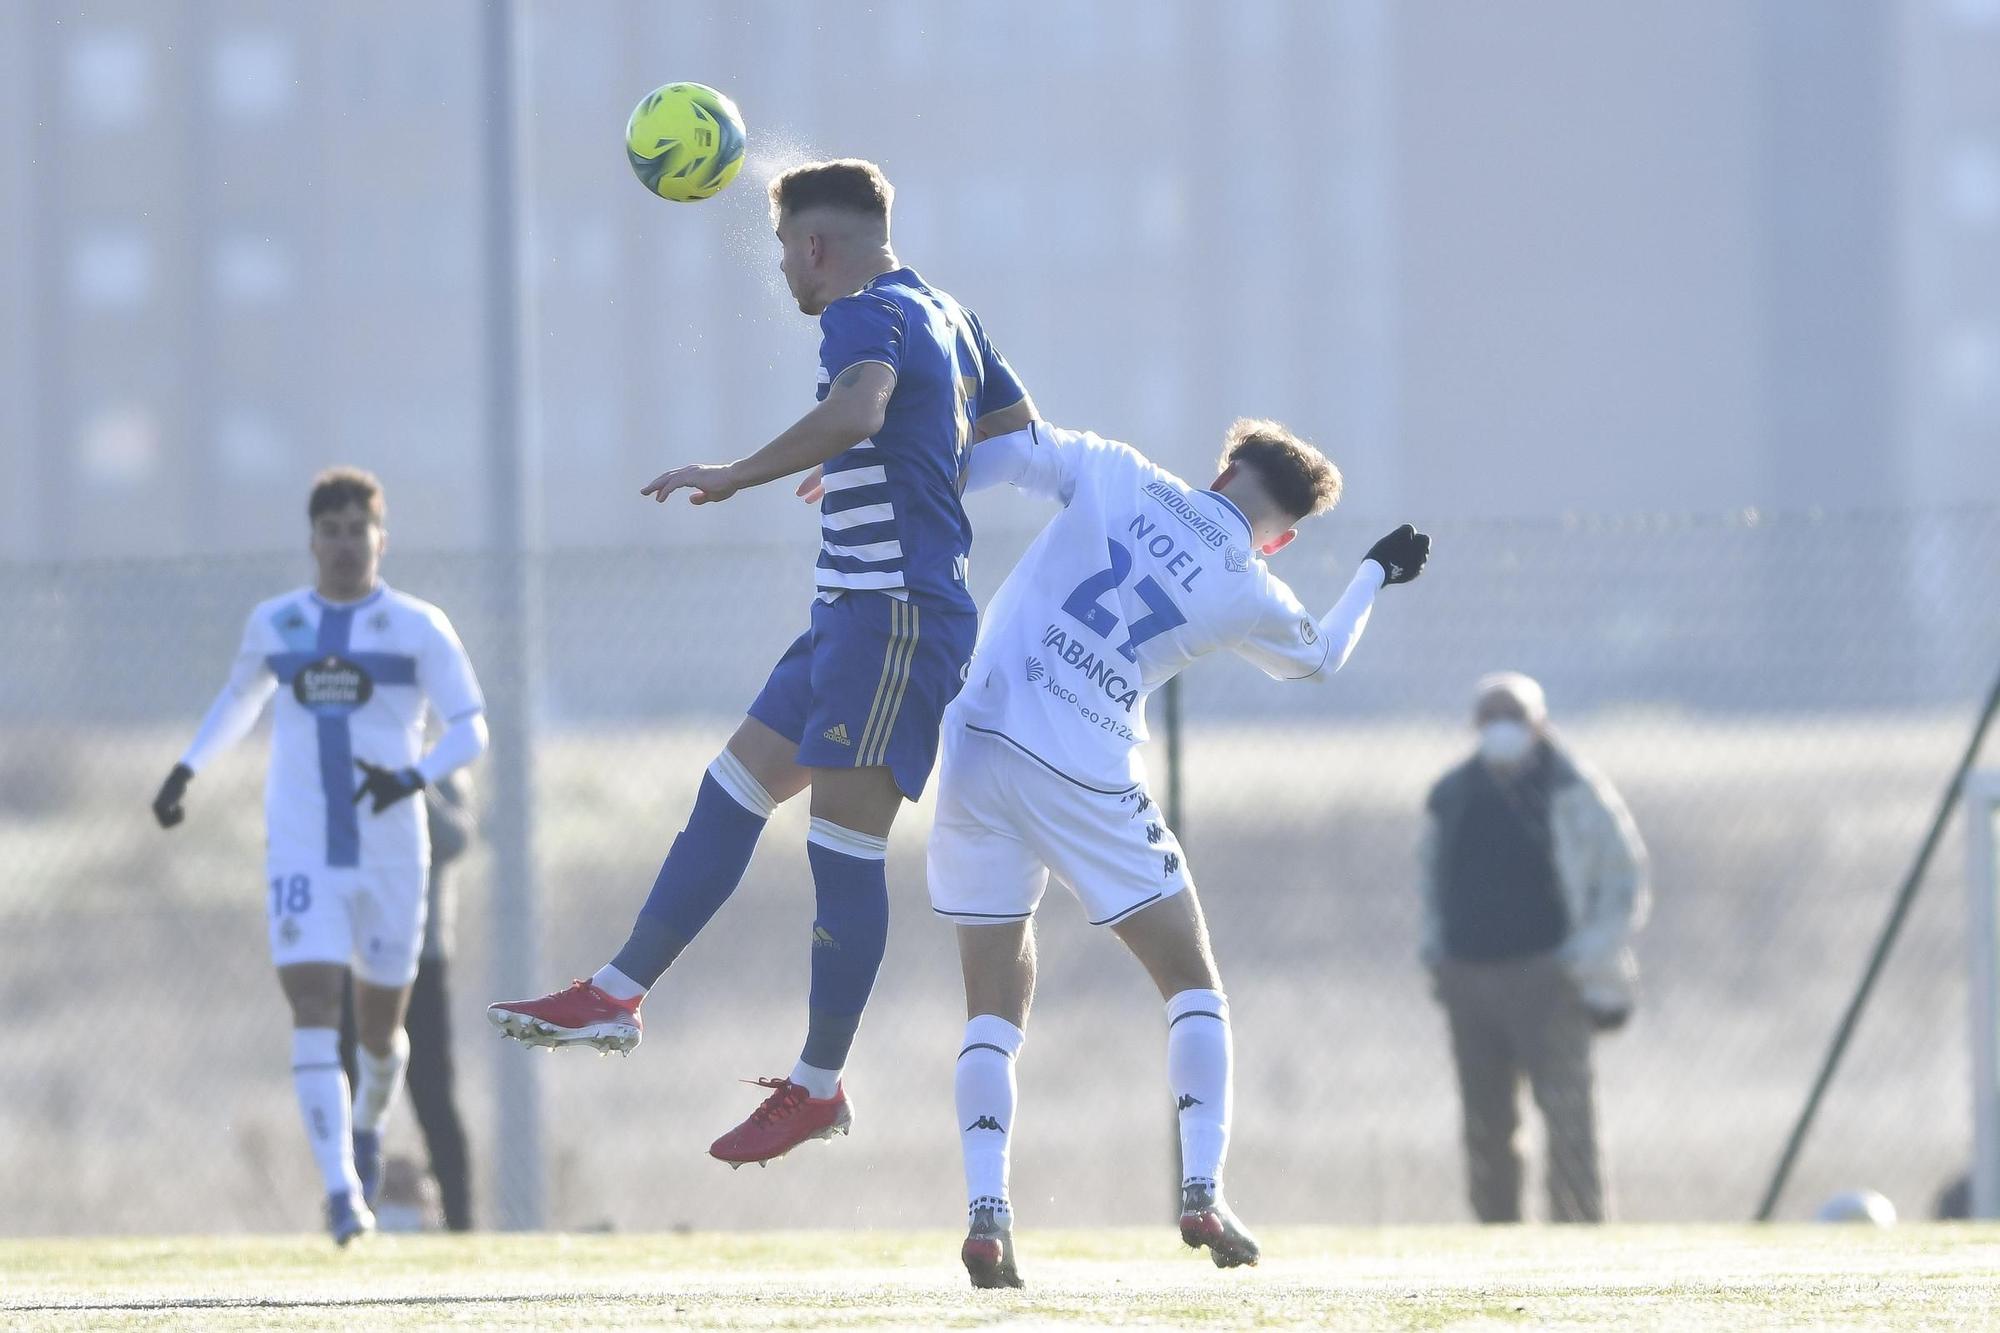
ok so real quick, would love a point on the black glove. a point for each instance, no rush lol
(387, 785)
(1401, 554)
(167, 805)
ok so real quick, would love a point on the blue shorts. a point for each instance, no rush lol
(868, 684)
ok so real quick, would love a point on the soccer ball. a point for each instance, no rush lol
(1858, 1206)
(685, 141)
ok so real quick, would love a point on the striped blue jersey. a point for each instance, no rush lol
(891, 520)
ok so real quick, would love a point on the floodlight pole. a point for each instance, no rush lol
(512, 580)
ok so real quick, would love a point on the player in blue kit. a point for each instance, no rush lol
(907, 384)
(347, 852)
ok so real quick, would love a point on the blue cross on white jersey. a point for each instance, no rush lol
(355, 681)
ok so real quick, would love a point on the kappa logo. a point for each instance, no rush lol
(837, 733)
(1173, 864)
(986, 1122)
(1035, 669)
(1154, 833)
(379, 622)
(1187, 1099)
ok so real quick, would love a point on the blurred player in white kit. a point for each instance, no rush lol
(1139, 575)
(347, 852)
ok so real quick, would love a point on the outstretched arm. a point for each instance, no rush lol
(1044, 460)
(854, 408)
(1290, 645)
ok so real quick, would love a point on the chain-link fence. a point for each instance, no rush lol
(1780, 702)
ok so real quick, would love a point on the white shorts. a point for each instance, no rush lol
(369, 918)
(1005, 820)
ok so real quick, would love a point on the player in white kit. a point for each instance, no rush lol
(1139, 575)
(347, 852)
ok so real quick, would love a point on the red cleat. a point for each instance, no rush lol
(1207, 1221)
(788, 1117)
(988, 1252)
(582, 1015)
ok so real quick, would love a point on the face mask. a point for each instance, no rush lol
(1505, 741)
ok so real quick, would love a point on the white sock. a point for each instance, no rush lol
(379, 1078)
(617, 985)
(1198, 1060)
(820, 1083)
(322, 1088)
(985, 1091)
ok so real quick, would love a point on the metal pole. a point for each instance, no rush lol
(1171, 699)
(1982, 885)
(1886, 941)
(515, 624)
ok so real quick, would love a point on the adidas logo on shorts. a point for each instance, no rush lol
(837, 733)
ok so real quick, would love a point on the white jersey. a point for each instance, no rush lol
(1139, 575)
(351, 680)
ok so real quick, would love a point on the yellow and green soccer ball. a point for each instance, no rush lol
(685, 141)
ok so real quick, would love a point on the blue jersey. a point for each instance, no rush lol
(892, 521)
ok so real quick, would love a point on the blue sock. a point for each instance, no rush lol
(852, 891)
(703, 869)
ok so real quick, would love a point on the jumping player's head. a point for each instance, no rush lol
(349, 531)
(1276, 479)
(832, 220)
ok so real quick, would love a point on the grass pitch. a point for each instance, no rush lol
(1644, 1277)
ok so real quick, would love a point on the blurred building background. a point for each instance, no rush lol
(1518, 259)
(1678, 322)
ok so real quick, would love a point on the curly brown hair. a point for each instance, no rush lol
(1298, 476)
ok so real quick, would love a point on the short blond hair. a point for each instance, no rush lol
(339, 487)
(1300, 479)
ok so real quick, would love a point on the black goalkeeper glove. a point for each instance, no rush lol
(1401, 554)
(387, 785)
(167, 805)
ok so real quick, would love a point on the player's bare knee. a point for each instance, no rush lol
(771, 760)
(378, 1015)
(999, 963)
(1170, 940)
(313, 992)
(865, 800)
